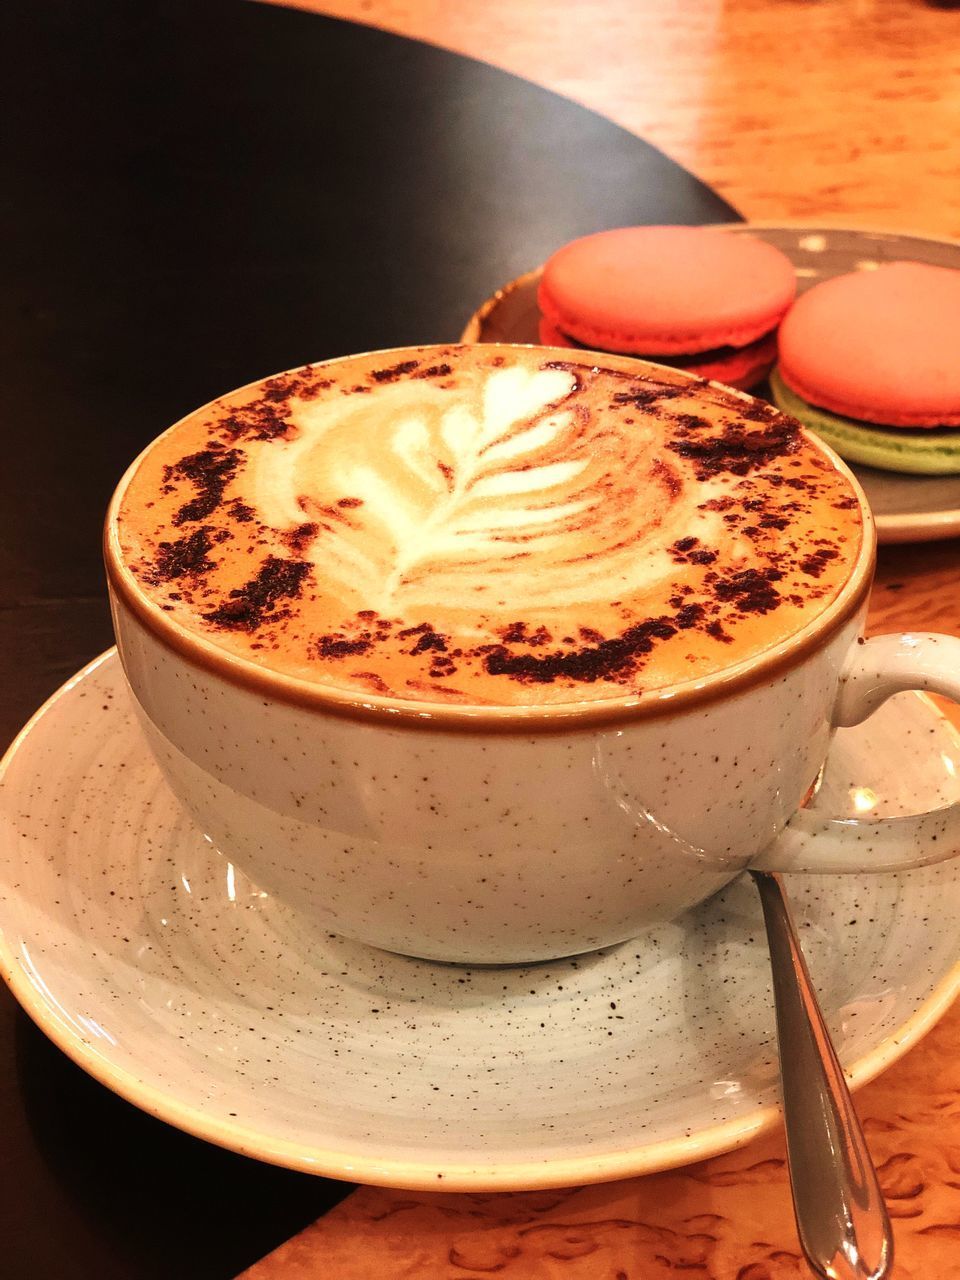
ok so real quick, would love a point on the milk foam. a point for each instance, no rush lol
(491, 502)
(489, 527)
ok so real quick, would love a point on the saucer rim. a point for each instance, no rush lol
(419, 1175)
(906, 527)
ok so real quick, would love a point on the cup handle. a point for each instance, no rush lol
(815, 842)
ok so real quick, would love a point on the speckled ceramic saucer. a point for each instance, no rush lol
(155, 964)
(907, 508)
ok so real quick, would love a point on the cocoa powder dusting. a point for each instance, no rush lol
(246, 607)
(517, 633)
(299, 539)
(209, 470)
(644, 397)
(394, 371)
(262, 420)
(667, 477)
(185, 557)
(688, 551)
(426, 638)
(341, 646)
(603, 661)
(737, 451)
(689, 615)
(691, 422)
(814, 564)
(241, 511)
(750, 590)
(716, 630)
(429, 640)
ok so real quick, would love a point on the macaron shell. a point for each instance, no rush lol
(880, 346)
(666, 290)
(741, 367)
(888, 449)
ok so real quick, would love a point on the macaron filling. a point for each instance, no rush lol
(933, 451)
(740, 367)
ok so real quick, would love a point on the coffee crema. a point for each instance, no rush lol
(488, 525)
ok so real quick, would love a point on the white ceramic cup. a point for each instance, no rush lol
(504, 835)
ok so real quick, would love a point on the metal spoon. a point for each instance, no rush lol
(841, 1217)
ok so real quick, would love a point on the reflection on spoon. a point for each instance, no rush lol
(841, 1217)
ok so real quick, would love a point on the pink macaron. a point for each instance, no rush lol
(706, 299)
(879, 346)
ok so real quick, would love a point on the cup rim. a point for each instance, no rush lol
(544, 718)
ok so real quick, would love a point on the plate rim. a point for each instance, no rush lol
(914, 526)
(417, 1174)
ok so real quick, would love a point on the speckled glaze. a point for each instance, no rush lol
(157, 965)
(494, 848)
(478, 847)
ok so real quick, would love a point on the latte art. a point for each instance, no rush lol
(455, 506)
(485, 525)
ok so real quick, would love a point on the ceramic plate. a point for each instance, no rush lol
(907, 508)
(162, 970)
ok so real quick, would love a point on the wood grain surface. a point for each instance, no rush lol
(846, 110)
(917, 588)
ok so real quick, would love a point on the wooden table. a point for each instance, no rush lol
(838, 111)
(844, 109)
(190, 204)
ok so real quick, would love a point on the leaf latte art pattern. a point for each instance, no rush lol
(519, 491)
(488, 525)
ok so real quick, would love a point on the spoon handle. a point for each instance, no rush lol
(841, 1217)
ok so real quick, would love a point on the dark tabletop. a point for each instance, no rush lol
(196, 193)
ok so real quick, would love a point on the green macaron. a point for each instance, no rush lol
(929, 452)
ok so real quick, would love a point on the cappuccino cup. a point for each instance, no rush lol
(498, 654)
